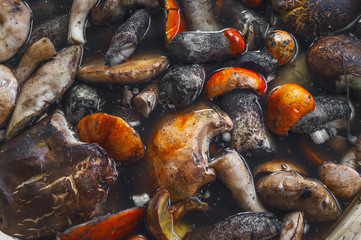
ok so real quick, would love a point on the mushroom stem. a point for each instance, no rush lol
(78, 14)
(147, 100)
(233, 171)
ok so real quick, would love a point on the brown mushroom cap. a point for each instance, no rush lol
(8, 93)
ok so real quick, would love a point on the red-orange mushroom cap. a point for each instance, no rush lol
(286, 105)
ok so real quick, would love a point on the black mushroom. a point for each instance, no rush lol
(47, 169)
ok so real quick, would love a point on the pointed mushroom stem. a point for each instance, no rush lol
(233, 171)
(147, 100)
(38, 52)
(78, 14)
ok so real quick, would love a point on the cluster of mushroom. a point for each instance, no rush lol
(219, 90)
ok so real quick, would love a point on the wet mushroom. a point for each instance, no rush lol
(8, 93)
(132, 71)
(290, 191)
(292, 226)
(173, 20)
(250, 134)
(233, 171)
(146, 101)
(78, 15)
(276, 165)
(46, 168)
(15, 24)
(176, 154)
(44, 87)
(282, 45)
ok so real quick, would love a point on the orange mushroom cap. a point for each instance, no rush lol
(230, 78)
(236, 42)
(282, 46)
(118, 138)
(174, 20)
(286, 105)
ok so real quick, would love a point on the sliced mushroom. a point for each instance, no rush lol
(176, 153)
(126, 37)
(15, 24)
(132, 71)
(290, 191)
(233, 171)
(342, 180)
(292, 226)
(147, 100)
(8, 93)
(245, 226)
(78, 15)
(49, 170)
(37, 53)
(44, 87)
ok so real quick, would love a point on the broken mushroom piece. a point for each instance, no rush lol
(176, 154)
(78, 15)
(37, 53)
(43, 88)
(126, 37)
(246, 225)
(292, 226)
(8, 93)
(182, 84)
(147, 99)
(343, 181)
(160, 221)
(111, 226)
(49, 170)
(286, 105)
(206, 46)
(173, 20)
(132, 71)
(282, 45)
(15, 25)
(290, 191)
(118, 138)
(233, 171)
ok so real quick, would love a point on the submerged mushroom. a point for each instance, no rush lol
(233, 171)
(15, 25)
(282, 46)
(173, 20)
(176, 153)
(8, 93)
(290, 191)
(147, 100)
(47, 169)
(292, 226)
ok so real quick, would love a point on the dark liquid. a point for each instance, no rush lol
(134, 180)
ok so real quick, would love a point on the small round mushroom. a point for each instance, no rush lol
(146, 101)
(286, 105)
(14, 27)
(282, 46)
(8, 93)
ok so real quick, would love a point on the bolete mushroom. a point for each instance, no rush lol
(176, 153)
(8, 93)
(282, 46)
(293, 225)
(49, 170)
(173, 21)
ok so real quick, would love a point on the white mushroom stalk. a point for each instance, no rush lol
(78, 14)
(232, 170)
(15, 22)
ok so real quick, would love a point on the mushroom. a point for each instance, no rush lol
(292, 226)
(14, 27)
(111, 226)
(126, 37)
(8, 93)
(252, 3)
(233, 171)
(182, 84)
(78, 14)
(198, 15)
(173, 21)
(290, 191)
(250, 134)
(49, 170)
(333, 56)
(147, 99)
(286, 105)
(43, 88)
(38, 52)
(118, 138)
(246, 225)
(343, 181)
(176, 154)
(276, 165)
(132, 71)
(282, 45)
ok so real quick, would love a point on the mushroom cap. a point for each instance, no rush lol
(282, 46)
(174, 20)
(286, 105)
(230, 78)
